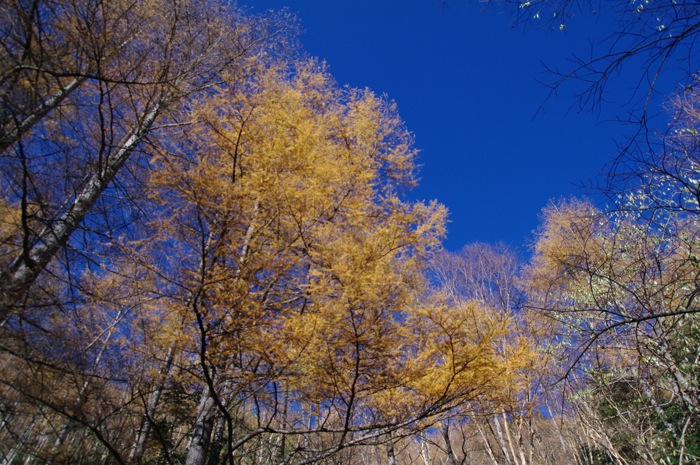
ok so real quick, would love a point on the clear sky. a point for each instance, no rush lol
(468, 85)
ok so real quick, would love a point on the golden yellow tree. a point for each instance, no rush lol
(623, 288)
(263, 298)
(283, 206)
(297, 270)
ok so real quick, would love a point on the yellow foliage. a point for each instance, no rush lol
(470, 353)
(303, 265)
(572, 235)
(301, 258)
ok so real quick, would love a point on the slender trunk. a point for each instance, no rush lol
(390, 453)
(533, 438)
(19, 443)
(560, 435)
(509, 438)
(366, 455)
(445, 427)
(283, 439)
(597, 429)
(682, 443)
(521, 443)
(217, 443)
(489, 449)
(424, 451)
(33, 458)
(80, 399)
(501, 440)
(200, 435)
(589, 448)
(378, 455)
(13, 130)
(24, 270)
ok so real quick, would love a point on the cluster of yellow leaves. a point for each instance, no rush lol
(461, 351)
(620, 261)
(567, 240)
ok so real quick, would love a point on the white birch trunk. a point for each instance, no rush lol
(501, 440)
(200, 435)
(489, 450)
(509, 438)
(560, 435)
(217, 443)
(14, 130)
(390, 453)
(31, 262)
(10, 457)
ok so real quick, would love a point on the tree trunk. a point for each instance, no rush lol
(445, 427)
(501, 440)
(217, 443)
(560, 435)
(509, 438)
(390, 453)
(489, 449)
(200, 435)
(424, 450)
(13, 130)
(24, 270)
(80, 400)
(19, 443)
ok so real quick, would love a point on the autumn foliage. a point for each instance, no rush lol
(208, 255)
(235, 275)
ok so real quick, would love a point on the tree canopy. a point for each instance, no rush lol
(208, 255)
(207, 251)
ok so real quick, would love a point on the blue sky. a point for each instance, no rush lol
(468, 85)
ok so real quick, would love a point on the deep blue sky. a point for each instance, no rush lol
(467, 84)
